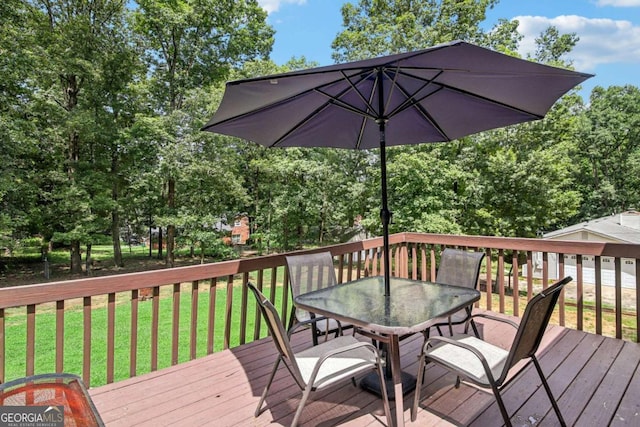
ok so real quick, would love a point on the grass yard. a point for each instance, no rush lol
(73, 330)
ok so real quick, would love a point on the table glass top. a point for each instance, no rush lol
(410, 307)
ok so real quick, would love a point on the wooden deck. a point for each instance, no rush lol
(595, 379)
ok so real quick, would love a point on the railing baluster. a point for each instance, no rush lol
(489, 278)
(637, 262)
(155, 320)
(432, 257)
(133, 344)
(501, 279)
(175, 324)
(529, 275)
(598, 272)
(31, 339)
(111, 326)
(515, 272)
(211, 327)
(193, 337)
(243, 309)
(60, 336)
(3, 343)
(414, 262)
(257, 315)
(561, 308)
(618, 290)
(228, 311)
(86, 338)
(545, 270)
(579, 293)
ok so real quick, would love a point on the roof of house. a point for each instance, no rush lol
(624, 227)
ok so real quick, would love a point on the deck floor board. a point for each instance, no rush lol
(595, 379)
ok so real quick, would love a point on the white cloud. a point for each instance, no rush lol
(274, 5)
(619, 3)
(602, 40)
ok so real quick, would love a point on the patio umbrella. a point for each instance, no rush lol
(433, 95)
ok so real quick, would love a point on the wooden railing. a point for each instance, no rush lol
(140, 322)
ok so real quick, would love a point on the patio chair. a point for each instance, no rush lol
(308, 273)
(487, 365)
(321, 365)
(48, 392)
(459, 268)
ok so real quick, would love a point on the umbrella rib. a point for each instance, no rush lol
(461, 91)
(283, 101)
(410, 102)
(331, 99)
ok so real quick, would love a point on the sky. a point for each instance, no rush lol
(609, 32)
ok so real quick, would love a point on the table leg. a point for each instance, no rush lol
(396, 374)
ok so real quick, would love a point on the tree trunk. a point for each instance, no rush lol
(115, 238)
(115, 216)
(171, 229)
(160, 242)
(76, 258)
(88, 261)
(71, 88)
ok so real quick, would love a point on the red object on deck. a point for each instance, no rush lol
(53, 391)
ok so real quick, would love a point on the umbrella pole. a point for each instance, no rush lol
(385, 215)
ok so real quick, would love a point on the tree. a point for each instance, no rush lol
(379, 27)
(466, 185)
(609, 150)
(193, 44)
(72, 37)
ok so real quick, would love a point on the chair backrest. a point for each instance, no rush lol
(308, 273)
(459, 267)
(277, 331)
(533, 324)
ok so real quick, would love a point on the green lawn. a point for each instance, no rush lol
(15, 350)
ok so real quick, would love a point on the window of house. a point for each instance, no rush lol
(235, 238)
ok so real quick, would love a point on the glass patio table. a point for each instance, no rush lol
(411, 307)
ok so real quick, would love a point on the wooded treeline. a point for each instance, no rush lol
(102, 102)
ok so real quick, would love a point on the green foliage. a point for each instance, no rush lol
(376, 27)
(101, 109)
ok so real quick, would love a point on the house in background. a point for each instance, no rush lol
(623, 227)
(240, 232)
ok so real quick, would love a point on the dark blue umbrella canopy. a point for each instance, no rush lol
(433, 95)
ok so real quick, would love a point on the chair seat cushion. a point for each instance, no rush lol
(336, 367)
(464, 360)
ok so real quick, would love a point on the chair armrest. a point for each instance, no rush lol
(491, 317)
(304, 323)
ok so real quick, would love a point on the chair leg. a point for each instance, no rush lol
(385, 396)
(503, 410)
(426, 337)
(303, 400)
(475, 329)
(266, 388)
(419, 381)
(548, 390)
